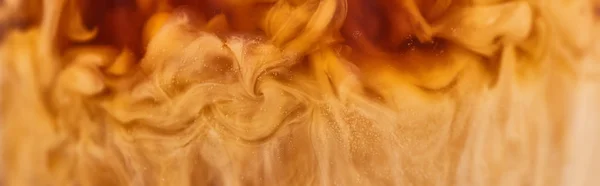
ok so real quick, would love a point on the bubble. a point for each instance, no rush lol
(357, 34)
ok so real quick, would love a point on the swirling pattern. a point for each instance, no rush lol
(299, 92)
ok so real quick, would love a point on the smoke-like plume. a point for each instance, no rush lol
(299, 92)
